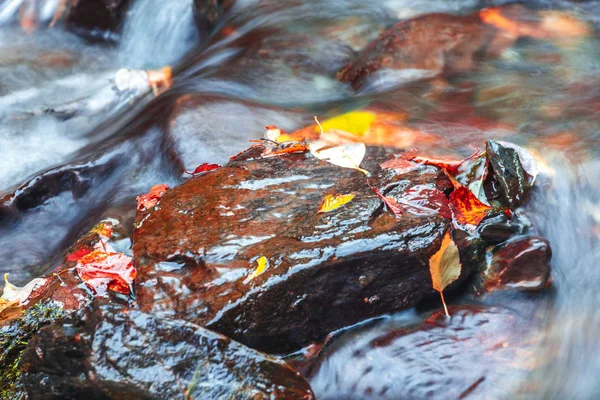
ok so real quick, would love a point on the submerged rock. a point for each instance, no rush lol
(523, 264)
(114, 353)
(480, 352)
(243, 250)
(208, 12)
(96, 18)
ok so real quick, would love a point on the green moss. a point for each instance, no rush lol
(13, 340)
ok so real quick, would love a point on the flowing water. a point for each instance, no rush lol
(277, 65)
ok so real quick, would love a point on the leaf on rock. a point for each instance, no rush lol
(450, 166)
(331, 202)
(201, 169)
(16, 296)
(348, 155)
(400, 165)
(77, 255)
(466, 208)
(390, 202)
(289, 147)
(261, 265)
(149, 200)
(445, 266)
(104, 269)
(104, 229)
(425, 200)
(356, 123)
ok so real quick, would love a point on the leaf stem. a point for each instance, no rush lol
(444, 303)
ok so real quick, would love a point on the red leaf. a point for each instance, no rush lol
(107, 270)
(466, 207)
(391, 203)
(425, 200)
(449, 166)
(399, 165)
(203, 168)
(77, 255)
(296, 147)
(149, 200)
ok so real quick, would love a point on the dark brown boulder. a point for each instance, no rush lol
(196, 252)
(522, 263)
(113, 353)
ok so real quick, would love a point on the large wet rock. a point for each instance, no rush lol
(113, 353)
(197, 251)
(480, 352)
(438, 43)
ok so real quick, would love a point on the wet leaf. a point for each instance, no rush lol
(149, 200)
(466, 208)
(400, 165)
(261, 265)
(104, 269)
(348, 155)
(331, 202)
(356, 122)
(391, 203)
(104, 229)
(289, 147)
(450, 166)
(20, 295)
(445, 266)
(202, 168)
(425, 200)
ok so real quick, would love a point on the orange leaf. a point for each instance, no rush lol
(331, 202)
(286, 148)
(399, 165)
(149, 200)
(445, 266)
(450, 166)
(466, 208)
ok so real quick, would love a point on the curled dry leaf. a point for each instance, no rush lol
(202, 168)
(467, 209)
(149, 200)
(261, 265)
(445, 266)
(331, 202)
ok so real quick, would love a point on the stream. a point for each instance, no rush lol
(276, 65)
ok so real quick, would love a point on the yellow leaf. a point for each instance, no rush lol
(331, 202)
(356, 122)
(261, 265)
(444, 266)
(284, 137)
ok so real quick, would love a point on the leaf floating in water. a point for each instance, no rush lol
(356, 123)
(466, 208)
(331, 202)
(149, 200)
(445, 267)
(105, 269)
(261, 265)
(202, 168)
